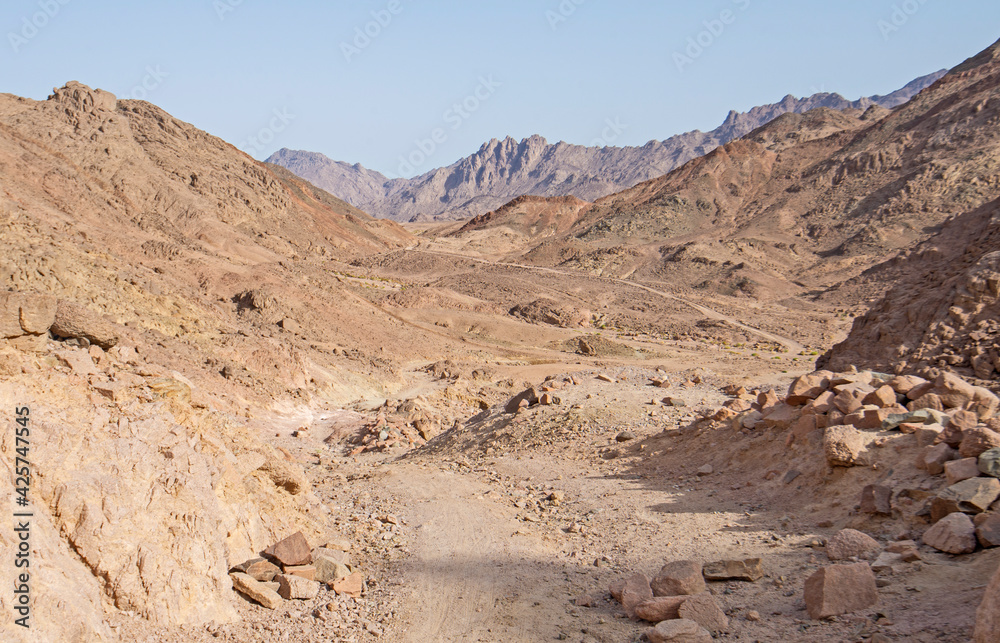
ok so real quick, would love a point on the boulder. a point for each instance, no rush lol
(927, 434)
(881, 397)
(73, 321)
(989, 463)
(988, 529)
(840, 589)
(954, 392)
(704, 610)
(659, 608)
(851, 543)
(808, 387)
(291, 587)
(781, 416)
(845, 446)
(953, 534)
(678, 631)
(514, 404)
(976, 440)
(974, 495)
(988, 614)
(958, 470)
(985, 404)
(259, 569)
(294, 550)
(682, 577)
(877, 500)
(255, 590)
(634, 592)
(25, 314)
(903, 384)
(748, 569)
(933, 458)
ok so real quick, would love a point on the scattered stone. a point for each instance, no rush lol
(953, 534)
(989, 463)
(253, 589)
(976, 440)
(706, 470)
(851, 543)
(974, 495)
(886, 562)
(659, 608)
(988, 529)
(753, 615)
(352, 585)
(934, 457)
(845, 446)
(958, 470)
(625, 436)
(296, 588)
(781, 417)
(678, 631)
(523, 399)
(302, 571)
(294, 550)
(329, 570)
(876, 499)
(606, 378)
(749, 569)
(635, 592)
(704, 610)
(682, 577)
(840, 589)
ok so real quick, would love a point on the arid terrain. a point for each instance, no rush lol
(752, 399)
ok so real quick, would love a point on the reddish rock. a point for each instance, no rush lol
(296, 588)
(928, 401)
(976, 440)
(845, 446)
(953, 534)
(847, 402)
(804, 427)
(682, 577)
(302, 571)
(851, 543)
(988, 529)
(635, 592)
(840, 589)
(988, 614)
(920, 390)
(678, 631)
(823, 403)
(704, 610)
(781, 416)
(927, 434)
(352, 585)
(876, 499)
(882, 397)
(985, 404)
(748, 569)
(659, 608)
(809, 387)
(294, 550)
(766, 400)
(934, 458)
(903, 384)
(260, 569)
(958, 470)
(955, 392)
(974, 495)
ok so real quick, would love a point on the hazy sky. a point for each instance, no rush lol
(380, 81)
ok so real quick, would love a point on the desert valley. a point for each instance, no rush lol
(738, 385)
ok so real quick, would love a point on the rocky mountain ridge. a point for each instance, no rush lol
(504, 169)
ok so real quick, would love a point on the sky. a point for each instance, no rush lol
(404, 86)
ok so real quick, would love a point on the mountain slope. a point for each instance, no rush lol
(503, 169)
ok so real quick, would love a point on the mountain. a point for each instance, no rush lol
(504, 169)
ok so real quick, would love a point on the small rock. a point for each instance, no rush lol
(957, 470)
(678, 631)
(352, 585)
(988, 529)
(704, 610)
(259, 569)
(845, 446)
(876, 499)
(927, 434)
(625, 436)
(976, 440)
(296, 588)
(953, 534)
(840, 589)
(989, 463)
(329, 570)
(850, 543)
(885, 561)
(749, 569)
(682, 577)
(706, 470)
(253, 589)
(753, 615)
(337, 555)
(302, 571)
(634, 592)
(294, 550)
(606, 378)
(934, 458)
(659, 608)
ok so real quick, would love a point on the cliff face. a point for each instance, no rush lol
(504, 169)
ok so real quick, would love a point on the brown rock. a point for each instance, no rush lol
(823, 403)
(976, 440)
(302, 571)
(920, 390)
(804, 427)
(616, 588)
(974, 495)
(958, 470)
(255, 590)
(927, 434)
(876, 499)
(941, 507)
(296, 588)
(809, 386)
(635, 591)
(882, 397)
(953, 534)
(352, 585)
(293, 550)
(934, 458)
(985, 404)
(259, 569)
(840, 589)
(528, 396)
(78, 361)
(955, 392)
(682, 577)
(781, 416)
(328, 570)
(749, 569)
(903, 384)
(926, 401)
(988, 529)
(337, 555)
(659, 608)
(704, 610)
(847, 402)
(845, 446)
(74, 321)
(988, 614)
(850, 543)
(766, 400)
(678, 631)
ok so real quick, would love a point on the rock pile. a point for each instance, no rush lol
(292, 570)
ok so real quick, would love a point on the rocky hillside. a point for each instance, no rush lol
(504, 169)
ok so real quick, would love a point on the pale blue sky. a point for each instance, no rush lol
(266, 75)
